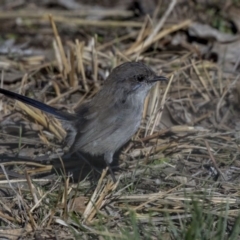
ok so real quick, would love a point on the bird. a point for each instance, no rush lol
(105, 123)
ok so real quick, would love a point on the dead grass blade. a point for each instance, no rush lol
(52, 124)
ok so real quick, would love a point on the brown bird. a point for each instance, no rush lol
(109, 120)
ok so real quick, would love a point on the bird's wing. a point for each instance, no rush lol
(96, 125)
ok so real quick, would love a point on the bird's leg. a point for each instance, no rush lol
(108, 157)
(85, 160)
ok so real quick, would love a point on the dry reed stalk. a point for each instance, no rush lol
(65, 66)
(159, 114)
(80, 66)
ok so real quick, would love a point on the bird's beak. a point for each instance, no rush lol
(158, 78)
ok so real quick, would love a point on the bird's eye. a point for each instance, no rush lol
(140, 78)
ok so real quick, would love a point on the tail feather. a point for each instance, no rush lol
(39, 105)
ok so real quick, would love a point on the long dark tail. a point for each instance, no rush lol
(34, 103)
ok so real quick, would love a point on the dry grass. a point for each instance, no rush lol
(179, 176)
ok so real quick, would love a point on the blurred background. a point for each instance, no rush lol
(179, 174)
